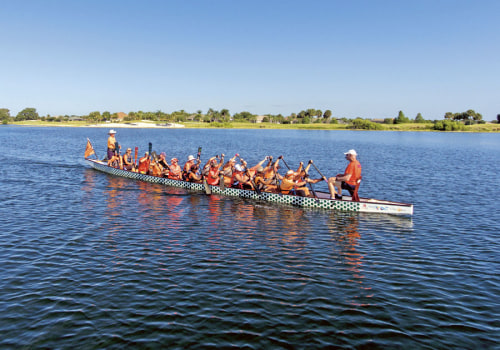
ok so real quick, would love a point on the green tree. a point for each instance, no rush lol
(4, 115)
(225, 115)
(327, 115)
(449, 116)
(94, 117)
(401, 118)
(419, 118)
(27, 114)
(106, 115)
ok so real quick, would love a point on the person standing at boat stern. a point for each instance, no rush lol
(111, 144)
(348, 179)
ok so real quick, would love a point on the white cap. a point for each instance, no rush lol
(112, 131)
(238, 167)
(190, 157)
(351, 151)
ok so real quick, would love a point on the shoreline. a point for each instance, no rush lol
(480, 128)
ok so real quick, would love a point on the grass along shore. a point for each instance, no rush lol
(488, 127)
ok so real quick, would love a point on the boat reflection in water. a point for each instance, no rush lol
(213, 228)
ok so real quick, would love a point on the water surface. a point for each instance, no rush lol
(94, 261)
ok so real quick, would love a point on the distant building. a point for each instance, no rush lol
(259, 118)
(120, 116)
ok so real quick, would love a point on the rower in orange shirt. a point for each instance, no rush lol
(348, 180)
(175, 172)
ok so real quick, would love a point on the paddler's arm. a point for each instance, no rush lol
(343, 177)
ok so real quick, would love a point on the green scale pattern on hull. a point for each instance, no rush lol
(297, 201)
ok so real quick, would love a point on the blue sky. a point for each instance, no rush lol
(366, 59)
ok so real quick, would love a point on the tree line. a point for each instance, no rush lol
(450, 121)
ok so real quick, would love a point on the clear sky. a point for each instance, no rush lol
(366, 59)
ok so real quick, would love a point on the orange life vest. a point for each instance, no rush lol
(175, 172)
(213, 176)
(143, 166)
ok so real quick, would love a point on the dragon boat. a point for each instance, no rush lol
(322, 199)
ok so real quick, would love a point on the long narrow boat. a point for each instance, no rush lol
(322, 201)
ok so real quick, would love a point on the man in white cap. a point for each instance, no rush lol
(111, 144)
(349, 179)
(187, 166)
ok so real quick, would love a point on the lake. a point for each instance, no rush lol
(94, 261)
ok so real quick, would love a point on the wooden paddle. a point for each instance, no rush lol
(135, 155)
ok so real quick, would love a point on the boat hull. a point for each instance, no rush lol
(365, 205)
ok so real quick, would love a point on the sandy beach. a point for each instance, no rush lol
(136, 125)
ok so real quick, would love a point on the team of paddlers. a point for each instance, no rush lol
(235, 172)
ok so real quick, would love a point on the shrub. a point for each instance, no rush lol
(359, 123)
(448, 125)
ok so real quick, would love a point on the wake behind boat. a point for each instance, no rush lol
(321, 200)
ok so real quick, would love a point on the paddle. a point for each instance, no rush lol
(198, 155)
(208, 191)
(310, 184)
(250, 178)
(319, 172)
(117, 153)
(315, 167)
(150, 149)
(283, 159)
(222, 184)
(135, 155)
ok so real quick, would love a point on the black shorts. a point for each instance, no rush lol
(348, 187)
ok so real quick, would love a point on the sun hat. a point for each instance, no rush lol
(260, 169)
(351, 151)
(289, 172)
(190, 157)
(174, 160)
(238, 167)
(111, 132)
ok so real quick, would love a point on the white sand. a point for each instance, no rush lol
(136, 125)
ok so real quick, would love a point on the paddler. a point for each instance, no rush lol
(348, 180)
(175, 171)
(191, 160)
(128, 163)
(143, 167)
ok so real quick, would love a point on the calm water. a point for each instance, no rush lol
(92, 261)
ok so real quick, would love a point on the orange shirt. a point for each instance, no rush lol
(354, 168)
(213, 176)
(143, 165)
